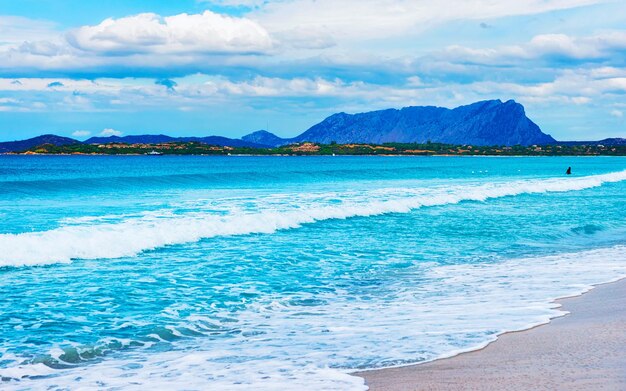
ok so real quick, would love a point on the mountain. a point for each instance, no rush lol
(263, 137)
(490, 122)
(22, 145)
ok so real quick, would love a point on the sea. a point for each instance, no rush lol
(287, 273)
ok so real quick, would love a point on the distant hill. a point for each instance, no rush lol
(606, 142)
(223, 141)
(264, 137)
(482, 123)
(161, 138)
(23, 145)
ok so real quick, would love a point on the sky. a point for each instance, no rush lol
(229, 67)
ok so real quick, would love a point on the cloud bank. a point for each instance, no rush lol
(208, 32)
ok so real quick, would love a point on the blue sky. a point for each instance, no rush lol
(229, 67)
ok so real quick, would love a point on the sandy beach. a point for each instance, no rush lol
(584, 350)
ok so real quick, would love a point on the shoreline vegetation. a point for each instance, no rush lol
(316, 149)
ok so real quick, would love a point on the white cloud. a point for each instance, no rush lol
(76, 102)
(414, 81)
(110, 132)
(581, 100)
(42, 48)
(617, 113)
(81, 133)
(150, 33)
(571, 86)
(362, 19)
(307, 37)
(15, 30)
(595, 47)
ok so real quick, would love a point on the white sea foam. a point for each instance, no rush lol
(134, 235)
(454, 308)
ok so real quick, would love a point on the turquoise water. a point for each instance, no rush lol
(286, 272)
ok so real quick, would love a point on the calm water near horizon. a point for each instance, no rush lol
(286, 272)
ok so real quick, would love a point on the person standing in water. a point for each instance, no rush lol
(569, 171)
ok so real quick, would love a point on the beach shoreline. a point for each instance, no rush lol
(581, 350)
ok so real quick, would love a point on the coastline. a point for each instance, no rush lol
(581, 350)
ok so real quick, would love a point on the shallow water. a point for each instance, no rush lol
(286, 272)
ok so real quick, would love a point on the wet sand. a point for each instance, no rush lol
(585, 350)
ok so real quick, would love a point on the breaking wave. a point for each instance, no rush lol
(130, 237)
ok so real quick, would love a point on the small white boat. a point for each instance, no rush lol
(154, 153)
